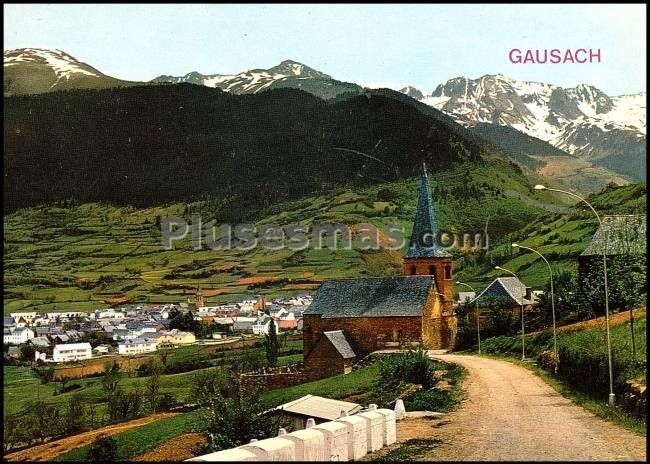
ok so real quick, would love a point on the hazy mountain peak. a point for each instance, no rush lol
(295, 68)
(412, 92)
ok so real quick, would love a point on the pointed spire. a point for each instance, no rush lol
(424, 237)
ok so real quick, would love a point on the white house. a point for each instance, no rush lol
(261, 327)
(136, 346)
(108, 313)
(71, 352)
(17, 335)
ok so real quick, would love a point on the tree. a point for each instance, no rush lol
(164, 357)
(271, 345)
(467, 335)
(42, 421)
(103, 449)
(501, 320)
(110, 385)
(111, 378)
(565, 288)
(75, 415)
(205, 385)
(27, 352)
(153, 386)
(234, 421)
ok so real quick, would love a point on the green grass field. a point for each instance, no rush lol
(81, 256)
(22, 386)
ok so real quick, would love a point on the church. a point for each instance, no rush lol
(354, 317)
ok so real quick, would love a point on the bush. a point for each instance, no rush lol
(429, 400)
(547, 360)
(103, 449)
(414, 367)
(167, 402)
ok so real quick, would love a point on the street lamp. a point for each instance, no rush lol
(523, 340)
(557, 358)
(609, 343)
(478, 316)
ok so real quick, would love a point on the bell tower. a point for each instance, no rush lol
(425, 256)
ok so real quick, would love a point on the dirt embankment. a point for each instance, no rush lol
(177, 449)
(49, 451)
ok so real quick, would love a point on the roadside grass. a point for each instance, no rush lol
(410, 450)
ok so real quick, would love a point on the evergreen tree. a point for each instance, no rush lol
(271, 345)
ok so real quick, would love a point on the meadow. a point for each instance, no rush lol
(80, 257)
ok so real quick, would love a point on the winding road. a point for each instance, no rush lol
(511, 414)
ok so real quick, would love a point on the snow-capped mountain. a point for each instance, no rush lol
(38, 70)
(287, 74)
(582, 121)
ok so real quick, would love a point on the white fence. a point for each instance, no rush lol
(345, 439)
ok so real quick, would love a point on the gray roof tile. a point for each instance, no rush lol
(424, 238)
(505, 286)
(341, 343)
(372, 297)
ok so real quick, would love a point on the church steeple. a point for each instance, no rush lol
(424, 238)
(425, 255)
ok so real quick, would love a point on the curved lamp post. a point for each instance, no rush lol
(557, 359)
(523, 340)
(478, 316)
(609, 343)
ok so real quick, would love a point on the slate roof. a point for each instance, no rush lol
(424, 242)
(505, 286)
(372, 297)
(40, 341)
(318, 407)
(338, 339)
(625, 234)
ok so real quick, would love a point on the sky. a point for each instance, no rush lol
(384, 45)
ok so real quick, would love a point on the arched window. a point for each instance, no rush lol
(448, 272)
(432, 270)
(412, 270)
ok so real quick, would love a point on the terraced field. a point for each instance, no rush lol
(69, 257)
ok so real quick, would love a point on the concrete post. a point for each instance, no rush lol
(400, 410)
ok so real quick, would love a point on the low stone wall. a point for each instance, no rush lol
(345, 439)
(272, 379)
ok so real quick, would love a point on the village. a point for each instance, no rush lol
(60, 337)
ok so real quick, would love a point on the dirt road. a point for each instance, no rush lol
(49, 451)
(511, 414)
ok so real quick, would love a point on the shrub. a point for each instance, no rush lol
(429, 400)
(412, 366)
(547, 360)
(103, 449)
